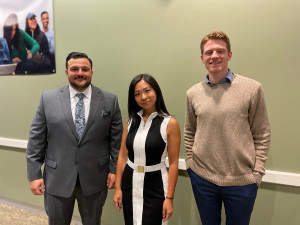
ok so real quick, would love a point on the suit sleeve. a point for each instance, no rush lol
(116, 129)
(37, 144)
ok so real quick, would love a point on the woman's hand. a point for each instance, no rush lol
(167, 209)
(16, 60)
(118, 199)
(29, 54)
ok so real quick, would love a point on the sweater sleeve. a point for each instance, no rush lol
(189, 130)
(31, 44)
(261, 132)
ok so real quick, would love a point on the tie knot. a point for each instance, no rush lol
(80, 96)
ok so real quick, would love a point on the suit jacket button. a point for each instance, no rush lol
(76, 163)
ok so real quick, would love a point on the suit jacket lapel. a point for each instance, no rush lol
(66, 106)
(94, 105)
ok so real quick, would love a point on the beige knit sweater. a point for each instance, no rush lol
(227, 132)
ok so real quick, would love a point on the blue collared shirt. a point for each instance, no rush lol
(227, 78)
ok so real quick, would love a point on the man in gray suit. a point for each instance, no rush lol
(76, 133)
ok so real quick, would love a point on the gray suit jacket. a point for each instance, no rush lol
(53, 140)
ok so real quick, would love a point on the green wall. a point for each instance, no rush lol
(161, 37)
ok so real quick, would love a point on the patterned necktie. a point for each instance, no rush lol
(79, 115)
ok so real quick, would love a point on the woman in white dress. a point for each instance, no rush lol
(144, 186)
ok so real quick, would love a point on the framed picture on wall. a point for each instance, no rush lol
(27, 44)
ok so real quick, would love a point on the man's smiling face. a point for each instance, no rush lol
(79, 73)
(216, 56)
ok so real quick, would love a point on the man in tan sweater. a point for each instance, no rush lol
(227, 137)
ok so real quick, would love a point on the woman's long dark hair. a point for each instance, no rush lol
(134, 108)
(15, 42)
(36, 32)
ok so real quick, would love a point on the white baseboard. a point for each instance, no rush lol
(14, 143)
(275, 177)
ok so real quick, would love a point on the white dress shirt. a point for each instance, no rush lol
(87, 101)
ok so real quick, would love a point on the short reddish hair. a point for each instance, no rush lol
(215, 35)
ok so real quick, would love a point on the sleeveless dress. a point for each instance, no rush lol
(145, 176)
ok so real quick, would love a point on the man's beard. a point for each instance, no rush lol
(45, 25)
(80, 88)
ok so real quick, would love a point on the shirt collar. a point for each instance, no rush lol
(140, 113)
(227, 78)
(87, 92)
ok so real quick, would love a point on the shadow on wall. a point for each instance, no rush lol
(276, 205)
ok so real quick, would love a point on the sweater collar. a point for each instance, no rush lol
(228, 78)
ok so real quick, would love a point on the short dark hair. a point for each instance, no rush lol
(44, 12)
(134, 108)
(78, 55)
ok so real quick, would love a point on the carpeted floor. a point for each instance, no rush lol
(10, 215)
(17, 213)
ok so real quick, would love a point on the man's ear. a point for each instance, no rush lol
(202, 58)
(229, 55)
